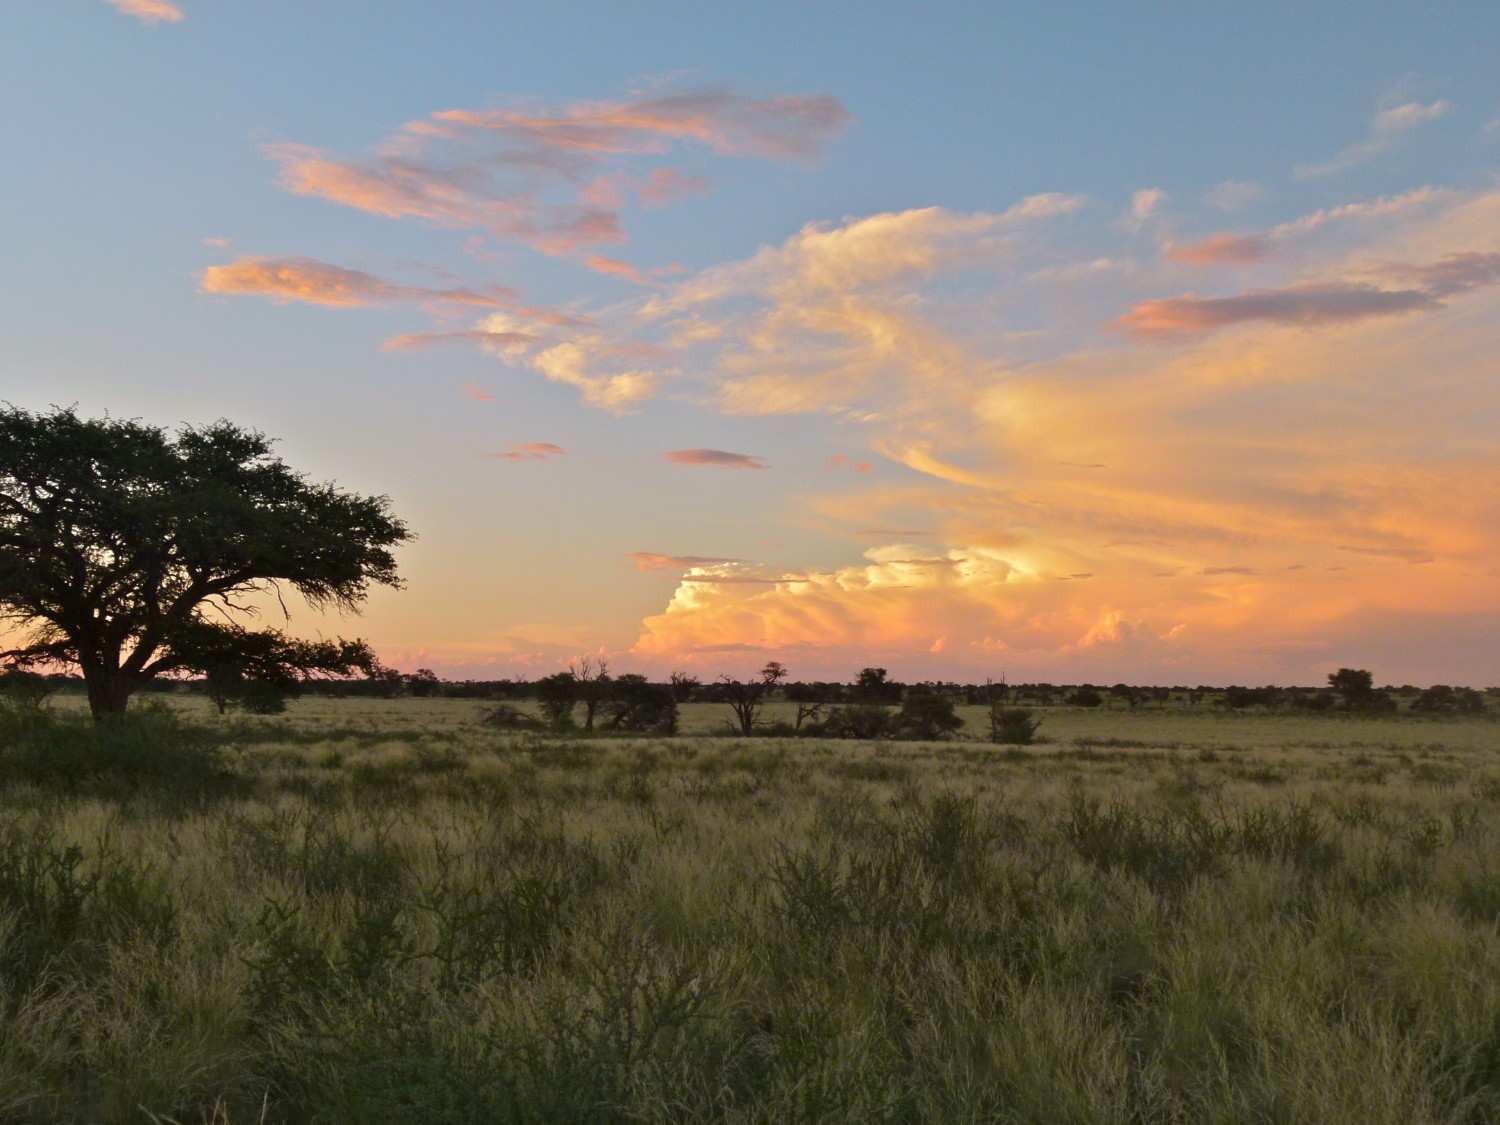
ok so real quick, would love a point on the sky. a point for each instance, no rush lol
(1097, 342)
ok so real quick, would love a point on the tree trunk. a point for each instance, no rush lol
(109, 691)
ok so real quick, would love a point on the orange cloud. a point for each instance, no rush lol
(717, 458)
(529, 451)
(477, 393)
(149, 11)
(318, 283)
(1220, 248)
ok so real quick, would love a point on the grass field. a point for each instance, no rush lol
(383, 911)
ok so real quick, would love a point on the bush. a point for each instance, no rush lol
(507, 717)
(927, 716)
(864, 721)
(1086, 697)
(1013, 726)
(556, 694)
(639, 707)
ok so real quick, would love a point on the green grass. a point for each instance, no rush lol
(385, 912)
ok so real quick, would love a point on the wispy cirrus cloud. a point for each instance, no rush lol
(149, 11)
(515, 173)
(318, 283)
(1387, 127)
(529, 451)
(650, 560)
(1318, 303)
(496, 341)
(1234, 195)
(1220, 248)
(714, 458)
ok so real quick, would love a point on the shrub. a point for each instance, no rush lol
(1086, 697)
(639, 707)
(507, 717)
(864, 721)
(927, 715)
(557, 694)
(1013, 726)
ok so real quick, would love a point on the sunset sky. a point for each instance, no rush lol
(1156, 343)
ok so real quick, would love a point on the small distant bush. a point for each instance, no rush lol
(927, 716)
(506, 717)
(1086, 697)
(556, 695)
(1440, 699)
(25, 690)
(637, 706)
(1013, 726)
(863, 721)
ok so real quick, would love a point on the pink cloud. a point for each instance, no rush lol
(529, 451)
(216, 242)
(1321, 303)
(714, 457)
(1221, 248)
(477, 393)
(417, 340)
(149, 11)
(613, 267)
(1304, 304)
(318, 283)
(650, 560)
(667, 185)
(496, 168)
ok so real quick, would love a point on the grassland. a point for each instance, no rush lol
(383, 911)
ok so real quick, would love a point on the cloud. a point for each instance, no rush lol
(1318, 303)
(477, 393)
(667, 185)
(318, 283)
(1304, 305)
(544, 178)
(570, 363)
(496, 341)
(1220, 248)
(714, 457)
(1234, 195)
(650, 560)
(149, 11)
(1386, 128)
(613, 267)
(216, 242)
(529, 451)
(1144, 204)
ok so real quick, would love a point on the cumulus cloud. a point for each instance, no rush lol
(716, 458)
(529, 451)
(576, 362)
(318, 283)
(1386, 128)
(149, 11)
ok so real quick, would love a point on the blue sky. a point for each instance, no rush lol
(1144, 132)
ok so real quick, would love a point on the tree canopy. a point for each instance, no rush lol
(131, 552)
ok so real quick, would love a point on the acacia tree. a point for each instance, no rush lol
(746, 696)
(130, 552)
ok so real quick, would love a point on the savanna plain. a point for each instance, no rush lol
(386, 911)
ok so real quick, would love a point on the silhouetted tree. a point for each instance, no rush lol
(637, 705)
(683, 686)
(118, 541)
(872, 686)
(1355, 685)
(423, 683)
(745, 697)
(591, 685)
(927, 715)
(556, 694)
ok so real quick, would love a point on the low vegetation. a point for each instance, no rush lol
(386, 911)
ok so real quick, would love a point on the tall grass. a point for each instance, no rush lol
(205, 923)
